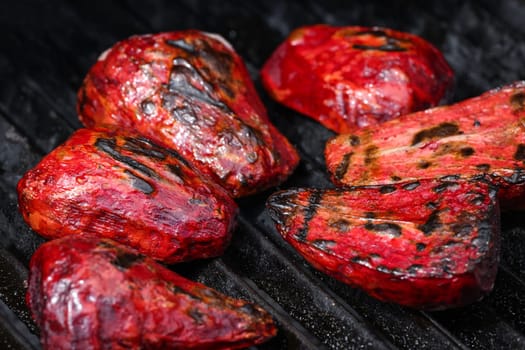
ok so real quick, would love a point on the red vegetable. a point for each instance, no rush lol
(189, 91)
(351, 77)
(428, 244)
(128, 189)
(92, 293)
(482, 135)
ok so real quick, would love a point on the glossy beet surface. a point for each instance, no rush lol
(352, 77)
(130, 190)
(426, 244)
(481, 135)
(87, 292)
(189, 91)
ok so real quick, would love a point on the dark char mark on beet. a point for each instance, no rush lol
(181, 44)
(124, 260)
(466, 152)
(183, 78)
(387, 189)
(342, 168)
(432, 224)
(437, 132)
(142, 146)
(411, 185)
(517, 101)
(391, 44)
(110, 147)
(309, 213)
(483, 167)
(370, 154)
(520, 152)
(324, 245)
(423, 164)
(385, 228)
(354, 140)
(140, 184)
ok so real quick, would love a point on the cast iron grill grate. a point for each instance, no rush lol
(47, 49)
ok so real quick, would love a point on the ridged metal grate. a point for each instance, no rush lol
(47, 48)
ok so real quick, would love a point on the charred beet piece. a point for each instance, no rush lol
(427, 244)
(482, 135)
(351, 77)
(189, 91)
(87, 292)
(128, 189)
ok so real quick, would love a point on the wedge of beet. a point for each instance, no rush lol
(481, 135)
(87, 292)
(191, 92)
(131, 190)
(429, 244)
(350, 77)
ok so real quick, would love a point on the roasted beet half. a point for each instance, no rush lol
(189, 91)
(87, 292)
(429, 244)
(352, 77)
(128, 189)
(481, 135)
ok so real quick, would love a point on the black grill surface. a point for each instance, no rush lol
(48, 46)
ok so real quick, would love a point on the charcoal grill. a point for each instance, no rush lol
(47, 48)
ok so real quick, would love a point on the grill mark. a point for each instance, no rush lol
(342, 168)
(414, 268)
(177, 171)
(483, 167)
(387, 189)
(516, 177)
(411, 186)
(388, 47)
(341, 225)
(462, 229)
(466, 152)
(391, 44)
(520, 152)
(370, 154)
(370, 215)
(124, 260)
(517, 101)
(181, 44)
(178, 290)
(450, 178)
(438, 132)
(110, 147)
(354, 140)
(183, 78)
(444, 186)
(423, 164)
(196, 315)
(309, 213)
(143, 147)
(140, 184)
(432, 224)
(482, 241)
(385, 228)
(324, 245)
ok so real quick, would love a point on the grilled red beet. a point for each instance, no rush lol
(92, 293)
(131, 190)
(482, 135)
(426, 244)
(189, 91)
(351, 77)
